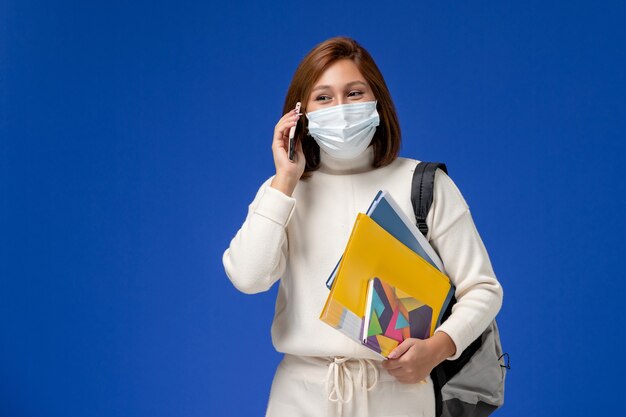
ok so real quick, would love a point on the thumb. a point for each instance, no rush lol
(401, 349)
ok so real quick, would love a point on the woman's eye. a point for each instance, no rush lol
(322, 98)
(355, 93)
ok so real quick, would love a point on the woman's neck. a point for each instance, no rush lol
(361, 163)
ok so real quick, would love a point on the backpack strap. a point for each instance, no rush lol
(422, 199)
(422, 188)
(422, 191)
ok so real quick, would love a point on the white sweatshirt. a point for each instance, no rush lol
(300, 239)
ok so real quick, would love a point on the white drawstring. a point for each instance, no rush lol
(336, 377)
(363, 363)
(340, 385)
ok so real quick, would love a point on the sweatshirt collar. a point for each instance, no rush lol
(357, 165)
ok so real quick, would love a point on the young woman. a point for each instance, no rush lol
(300, 221)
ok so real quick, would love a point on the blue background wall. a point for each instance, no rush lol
(133, 135)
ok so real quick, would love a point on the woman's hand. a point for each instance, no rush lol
(414, 359)
(288, 173)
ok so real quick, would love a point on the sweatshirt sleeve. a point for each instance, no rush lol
(257, 255)
(455, 238)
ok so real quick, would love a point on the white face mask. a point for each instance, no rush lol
(346, 130)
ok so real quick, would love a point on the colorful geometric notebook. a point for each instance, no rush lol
(391, 316)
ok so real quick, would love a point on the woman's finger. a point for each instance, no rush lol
(287, 118)
(281, 133)
(392, 364)
(397, 371)
(284, 125)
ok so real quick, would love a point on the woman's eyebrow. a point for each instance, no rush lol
(350, 84)
(353, 83)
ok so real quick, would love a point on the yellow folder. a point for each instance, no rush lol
(373, 252)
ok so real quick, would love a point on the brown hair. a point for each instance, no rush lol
(386, 141)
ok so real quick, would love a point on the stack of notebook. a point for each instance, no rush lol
(389, 283)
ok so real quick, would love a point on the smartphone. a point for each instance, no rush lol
(292, 133)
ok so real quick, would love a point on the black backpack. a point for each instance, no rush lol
(473, 384)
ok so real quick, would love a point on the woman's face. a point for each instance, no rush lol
(341, 83)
